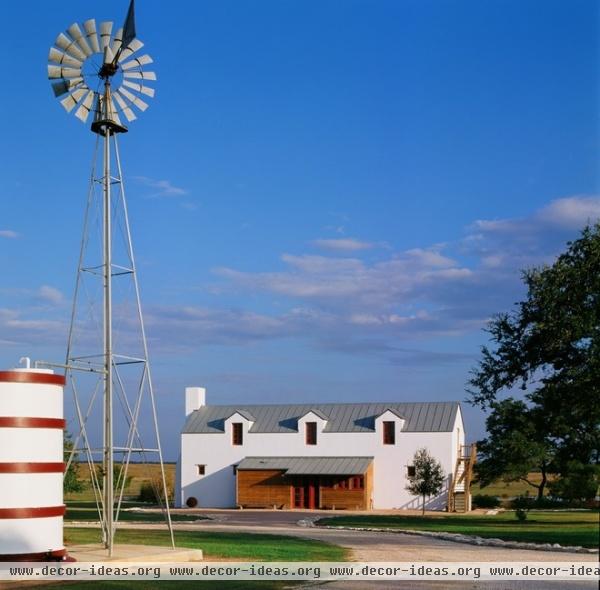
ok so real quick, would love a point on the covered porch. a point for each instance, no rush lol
(311, 483)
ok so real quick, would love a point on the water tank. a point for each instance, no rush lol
(31, 465)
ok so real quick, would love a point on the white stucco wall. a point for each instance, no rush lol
(216, 488)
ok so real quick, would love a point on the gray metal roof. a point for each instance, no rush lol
(419, 416)
(245, 413)
(309, 465)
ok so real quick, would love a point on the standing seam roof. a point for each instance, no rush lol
(419, 416)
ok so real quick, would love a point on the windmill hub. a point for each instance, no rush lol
(108, 70)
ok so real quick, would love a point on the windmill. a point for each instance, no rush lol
(102, 75)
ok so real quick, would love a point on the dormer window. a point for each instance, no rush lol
(237, 433)
(389, 433)
(311, 433)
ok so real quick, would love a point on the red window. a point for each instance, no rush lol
(237, 433)
(357, 482)
(389, 433)
(311, 433)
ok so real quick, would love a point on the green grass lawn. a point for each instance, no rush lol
(87, 511)
(234, 546)
(566, 528)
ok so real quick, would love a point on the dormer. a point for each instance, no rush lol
(237, 426)
(311, 424)
(388, 425)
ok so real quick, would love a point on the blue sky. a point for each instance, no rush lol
(329, 199)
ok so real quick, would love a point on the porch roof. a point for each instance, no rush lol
(308, 465)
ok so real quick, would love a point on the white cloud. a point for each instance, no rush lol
(568, 213)
(8, 233)
(163, 188)
(350, 283)
(430, 257)
(50, 295)
(343, 244)
(571, 212)
(442, 290)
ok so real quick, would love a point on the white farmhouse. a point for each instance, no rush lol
(330, 456)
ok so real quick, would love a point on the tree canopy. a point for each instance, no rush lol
(549, 347)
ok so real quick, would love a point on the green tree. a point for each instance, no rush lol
(581, 482)
(428, 477)
(516, 445)
(71, 480)
(549, 346)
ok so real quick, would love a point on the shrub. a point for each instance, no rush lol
(522, 505)
(149, 490)
(485, 501)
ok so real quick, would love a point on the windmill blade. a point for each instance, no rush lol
(139, 88)
(116, 44)
(140, 75)
(70, 102)
(59, 88)
(63, 86)
(92, 35)
(58, 72)
(105, 34)
(138, 102)
(129, 114)
(57, 56)
(108, 55)
(134, 46)
(83, 112)
(68, 46)
(136, 62)
(77, 35)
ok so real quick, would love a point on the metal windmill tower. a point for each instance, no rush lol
(98, 74)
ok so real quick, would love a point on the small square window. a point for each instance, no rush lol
(410, 470)
(201, 469)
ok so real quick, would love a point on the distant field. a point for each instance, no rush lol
(139, 474)
(508, 490)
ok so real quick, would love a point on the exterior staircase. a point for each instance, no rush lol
(459, 494)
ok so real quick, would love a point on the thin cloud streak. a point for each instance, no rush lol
(342, 244)
(163, 188)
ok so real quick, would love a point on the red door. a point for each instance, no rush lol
(306, 493)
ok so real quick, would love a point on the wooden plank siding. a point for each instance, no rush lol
(263, 489)
(272, 488)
